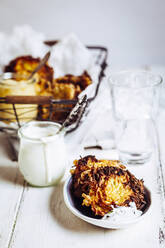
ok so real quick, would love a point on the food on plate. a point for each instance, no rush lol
(67, 87)
(105, 185)
(14, 84)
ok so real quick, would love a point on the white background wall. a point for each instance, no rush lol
(133, 30)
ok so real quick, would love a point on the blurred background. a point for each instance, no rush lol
(133, 30)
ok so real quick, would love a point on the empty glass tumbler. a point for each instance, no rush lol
(135, 98)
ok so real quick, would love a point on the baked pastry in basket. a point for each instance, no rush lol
(67, 87)
(24, 65)
(105, 184)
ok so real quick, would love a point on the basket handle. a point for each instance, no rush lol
(28, 99)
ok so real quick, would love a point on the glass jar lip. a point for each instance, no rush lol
(13, 76)
(138, 72)
(41, 123)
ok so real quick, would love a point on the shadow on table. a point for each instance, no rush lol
(64, 217)
(11, 175)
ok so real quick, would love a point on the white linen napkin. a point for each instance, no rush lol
(23, 40)
(68, 56)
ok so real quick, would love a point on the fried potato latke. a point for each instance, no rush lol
(104, 184)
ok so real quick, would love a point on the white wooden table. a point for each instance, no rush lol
(37, 217)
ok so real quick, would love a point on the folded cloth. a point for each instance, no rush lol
(70, 56)
(96, 126)
(23, 40)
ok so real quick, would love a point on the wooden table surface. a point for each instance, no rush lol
(37, 217)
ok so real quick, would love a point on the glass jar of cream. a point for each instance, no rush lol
(12, 84)
(42, 154)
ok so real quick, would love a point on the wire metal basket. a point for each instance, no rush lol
(52, 105)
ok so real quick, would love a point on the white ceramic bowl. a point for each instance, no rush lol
(105, 223)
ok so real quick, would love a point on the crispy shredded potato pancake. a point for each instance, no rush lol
(104, 184)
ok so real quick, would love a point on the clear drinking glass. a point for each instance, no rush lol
(135, 98)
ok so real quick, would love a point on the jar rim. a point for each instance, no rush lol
(156, 79)
(21, 130)
(14, 76)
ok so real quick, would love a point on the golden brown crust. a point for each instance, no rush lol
(82, 81)
(103, 184)
(24, 65)
(65, 91)
(67, 87)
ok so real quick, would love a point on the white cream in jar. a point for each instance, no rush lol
(17, 85)
(42, 154)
